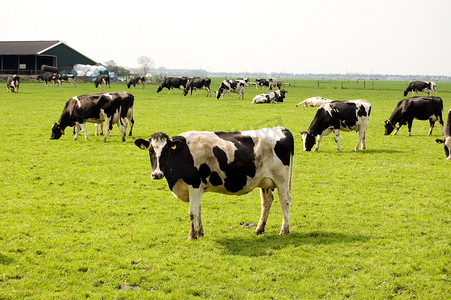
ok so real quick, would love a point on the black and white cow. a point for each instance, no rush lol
(66, 77)
(48, 77)
(12, 83)
(261, 82)
(350, 115)
(136, 80)
(96, 108)
(273, 97)
(173, 82)
(102, 79)
(234, 86)
(232, 163)
(421, 108)
(447, 137)
(198, 83)
(421, 86)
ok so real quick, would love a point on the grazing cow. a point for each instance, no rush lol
(96, 108)
(420, 86)
(232, 163)
(66, 77)
(137, 80)
(262, 82)
(12, 83)
(314, 101)
(198, 83)
(102, 79)
(447, 137)
(421, 108)
(351, 115)
(234, 86)
(48, 77)
(173, 82)
(273, 97)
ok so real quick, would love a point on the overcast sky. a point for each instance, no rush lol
(297, 36)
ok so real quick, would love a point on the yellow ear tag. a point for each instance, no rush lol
(173, 147)
(143, 147)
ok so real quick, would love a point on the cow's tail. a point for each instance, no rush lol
(291, 160)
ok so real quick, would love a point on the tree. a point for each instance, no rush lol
(146, 64)
(112, 66)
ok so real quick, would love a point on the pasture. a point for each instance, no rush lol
(83, 219)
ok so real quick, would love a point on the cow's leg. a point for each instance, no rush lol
(195, 213)
(397, 129)
(432, 123)
(76, 130)
(337, 138)
(208, 92)
(83, 127)
(285, 200)
(132, 122)
(266, 202)
(361, 140)
(317, 143)
(108, 126)
(409, 126)
(123, 127)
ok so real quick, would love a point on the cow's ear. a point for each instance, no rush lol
(439, 141)
(143, 144)
(176, 142)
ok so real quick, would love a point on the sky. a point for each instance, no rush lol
(406, 37)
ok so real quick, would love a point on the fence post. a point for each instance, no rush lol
(317, 84)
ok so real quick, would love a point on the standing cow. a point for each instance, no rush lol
(232, 163)
(234, 86)
(96, 108)
(198, 83)
(351, 115)
(136, 80)
(48, 77)
(102, 79)
(421, 108)
(66, 77)
(173, 82)
(447, 137)
(421, 86)
(12, 83)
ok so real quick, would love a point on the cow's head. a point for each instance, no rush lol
(57, 132)
(160, 147)
(389, 127)
(218, 93)
(308, 139)
(159, 88)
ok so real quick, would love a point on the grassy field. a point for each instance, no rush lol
(83, 219)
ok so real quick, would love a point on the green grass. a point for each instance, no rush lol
(83, 219)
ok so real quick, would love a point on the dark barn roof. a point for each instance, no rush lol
(27, 57)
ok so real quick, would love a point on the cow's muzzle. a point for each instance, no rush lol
(157, 175)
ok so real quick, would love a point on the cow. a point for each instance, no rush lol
(350, 115)
(261, 82)
(136, 80)
(446, 137)
(421, 108)
(173, 82)
(232, 163)
(234, 86)
(102, 79)
(12, 83)
(314, 101)
(421, 86)
(66, 77)
(198, 83)
(273, 97)
(48, 77)
(96, 108)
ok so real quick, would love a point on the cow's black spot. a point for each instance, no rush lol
(362, 112)
(285, 147)
(204, 171)
(215, 179)
(243, 164)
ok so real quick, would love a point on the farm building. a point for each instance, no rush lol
(27, 57)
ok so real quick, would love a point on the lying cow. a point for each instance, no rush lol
(234, 86)
(232, 163)
(173, 82)
(198, 83)
(12, 83)
(136, 80)
(102, 79)
(421, 108)
(273, 97)
(111, 108)
(351, 115)
(447, 137)
(421, 86)
(314, 101)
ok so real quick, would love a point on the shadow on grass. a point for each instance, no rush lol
(265, 244)
(5, 260)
